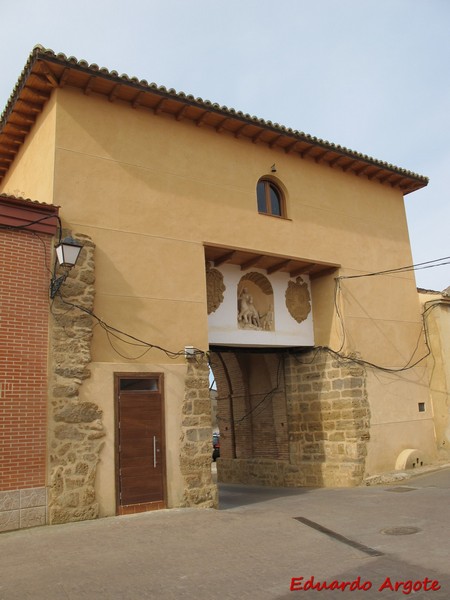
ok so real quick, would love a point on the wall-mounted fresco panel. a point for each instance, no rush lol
(251, 308)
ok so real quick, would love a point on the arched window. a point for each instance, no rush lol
(270, 199)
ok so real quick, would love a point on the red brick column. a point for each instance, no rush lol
(27, 229)
(24, 309)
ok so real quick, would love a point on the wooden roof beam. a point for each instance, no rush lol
(302, 270)
(306, 151)
(251, 262)
(19, 128)
(323, 272)
(36, 108)
(256, 137)
(201, 121)
(398, 183)
(8, 148)
(64, 77)
(49, 76)
(346, 168)
(6, 158)
(181, 112)
(137, 99)
(37, 93)
(318, 159)
(89, 85)
(15, 139)
(334, 161)
(275, 140)
(238, 131)
(221, 126)
(385, 178)
(159, 107)
(23, 116)
(224, 258)
(290, 147)
(278, 266)
(42, 78)
(372, 175)
(114, 92)
(362, 170)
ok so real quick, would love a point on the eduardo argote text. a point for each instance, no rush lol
(409, 586)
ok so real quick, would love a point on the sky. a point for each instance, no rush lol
(370, 75)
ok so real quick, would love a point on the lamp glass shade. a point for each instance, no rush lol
(67, 252)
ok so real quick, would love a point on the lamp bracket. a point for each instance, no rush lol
(55, 284)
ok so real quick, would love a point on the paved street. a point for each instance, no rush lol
(251, 548)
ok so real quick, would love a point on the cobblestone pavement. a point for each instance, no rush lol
(253, 547)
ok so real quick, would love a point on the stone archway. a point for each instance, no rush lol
(290, 420)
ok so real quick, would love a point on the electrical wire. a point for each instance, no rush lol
(35, 222)
(407, 366)
(417, 267)
(117, 333)
(266, 396)
(127, 338)
(337, 293)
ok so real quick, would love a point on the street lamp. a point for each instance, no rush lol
(67, 253)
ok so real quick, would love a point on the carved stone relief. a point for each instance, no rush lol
(215, 288)
(255, 303)
(298, 299)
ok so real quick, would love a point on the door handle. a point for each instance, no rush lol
(154, 451)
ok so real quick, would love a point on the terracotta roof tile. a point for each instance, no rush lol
(41, 53)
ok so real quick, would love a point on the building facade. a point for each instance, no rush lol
(213, 238)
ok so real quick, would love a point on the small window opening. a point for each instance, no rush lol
(270, 199)
(138, 385)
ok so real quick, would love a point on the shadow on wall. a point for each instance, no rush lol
(290, 420)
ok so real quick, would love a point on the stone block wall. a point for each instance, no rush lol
(76, 429)
(329, 417)
(328, 420)
(196, 437)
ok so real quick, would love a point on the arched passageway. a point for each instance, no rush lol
(289, 419)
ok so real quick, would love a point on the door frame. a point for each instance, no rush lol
(134, 508)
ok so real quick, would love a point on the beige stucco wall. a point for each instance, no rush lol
(438, 324)
(32, 173)
(101, 387)
(151, 187)
(396, 423)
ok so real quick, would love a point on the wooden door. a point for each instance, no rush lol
(140, 443)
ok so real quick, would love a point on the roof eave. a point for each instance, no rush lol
(46, 70)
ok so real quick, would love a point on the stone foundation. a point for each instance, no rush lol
(76, 428)
(273, 473)
(196, 438)
(20, 509)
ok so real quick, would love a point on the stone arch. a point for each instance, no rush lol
(232, 404)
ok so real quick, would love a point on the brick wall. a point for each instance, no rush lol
(24, 309)
(251, 405)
